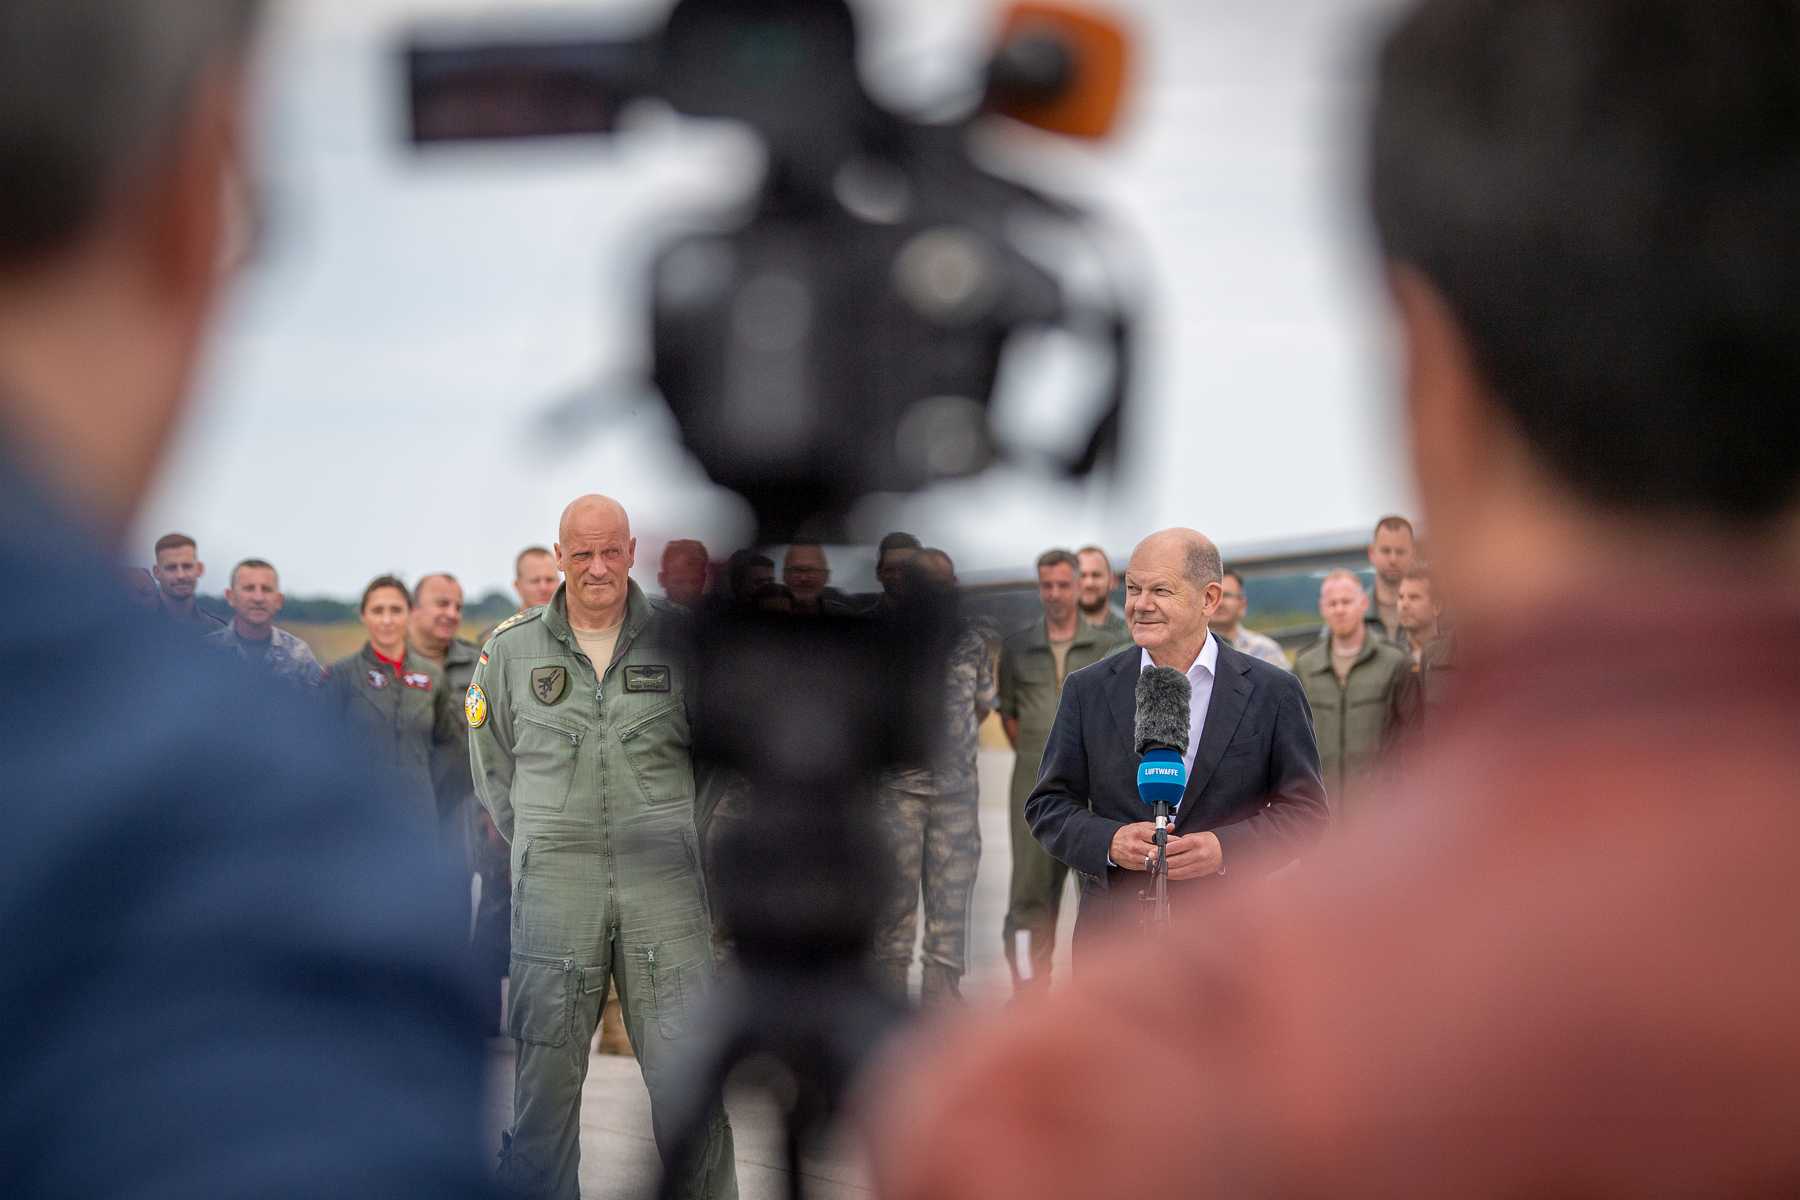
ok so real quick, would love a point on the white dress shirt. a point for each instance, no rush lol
(1200, 689)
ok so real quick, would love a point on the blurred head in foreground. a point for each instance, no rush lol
(121, 143)
(289, 955)
(1552, 967)
(1587, 211)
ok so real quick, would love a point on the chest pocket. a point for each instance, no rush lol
(544, 754)
(657, 744)
(1038, 695)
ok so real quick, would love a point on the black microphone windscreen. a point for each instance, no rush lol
(1163, 701)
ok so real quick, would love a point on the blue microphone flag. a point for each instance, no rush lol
(1162, 778)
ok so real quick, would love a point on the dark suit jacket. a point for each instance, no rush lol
(1255, 781)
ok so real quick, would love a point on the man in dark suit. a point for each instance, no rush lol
(1254, 799)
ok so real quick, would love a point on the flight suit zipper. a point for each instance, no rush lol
(574, 736)
(632, 730)
(548, 960)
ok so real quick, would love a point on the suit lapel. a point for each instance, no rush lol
(1230, 697)
(1124, 696)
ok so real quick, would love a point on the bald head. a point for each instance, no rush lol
(1198, 557)
(593, 512)
(596, 552)
(1172, 589)
(1343, 603)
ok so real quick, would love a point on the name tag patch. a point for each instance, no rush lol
(647, 679)
(418, 680)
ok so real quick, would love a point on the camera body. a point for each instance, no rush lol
(845, 334)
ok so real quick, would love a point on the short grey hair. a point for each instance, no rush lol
(93, 91)
(257, 563)
(1203, 563)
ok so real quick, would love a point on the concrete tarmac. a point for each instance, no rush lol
(618, 1156)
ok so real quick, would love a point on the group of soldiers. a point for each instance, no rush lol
(1381, 664)
(554, 756)
(1557, 967)
(1377, 666)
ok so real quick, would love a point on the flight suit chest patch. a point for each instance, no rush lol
(418, 680)
(647, 679)
(377, 679)
(549, 684)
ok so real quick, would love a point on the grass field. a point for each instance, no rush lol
(332, 642)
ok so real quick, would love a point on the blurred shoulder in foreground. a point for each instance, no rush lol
(229, 971)
(230, 967)
(1558, 959)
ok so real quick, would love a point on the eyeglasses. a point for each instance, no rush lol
(804, 570)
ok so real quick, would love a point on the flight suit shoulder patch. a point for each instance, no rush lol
(514, 621)
(663, 607)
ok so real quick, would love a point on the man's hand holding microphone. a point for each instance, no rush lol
(1191, 857)
(1164, 700)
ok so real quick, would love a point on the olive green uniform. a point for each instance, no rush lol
(1350, 719)
(450, 774)
(410, 721)
(1028, 689)
(586, 769)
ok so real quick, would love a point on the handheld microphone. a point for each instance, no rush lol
(1161, 729)
(1161, 736)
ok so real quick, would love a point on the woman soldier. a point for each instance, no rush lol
(396, 700)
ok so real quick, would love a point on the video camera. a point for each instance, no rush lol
(847, 335)
(844, 337)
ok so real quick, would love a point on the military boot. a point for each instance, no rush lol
(939, 985)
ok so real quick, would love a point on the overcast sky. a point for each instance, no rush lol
(372, 399)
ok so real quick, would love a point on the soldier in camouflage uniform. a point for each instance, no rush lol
(932, 816)
(283, 655)
(255, 599)
(580, 740)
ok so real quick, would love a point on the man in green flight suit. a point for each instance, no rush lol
(1350, 678)
(1034, 661)
(579, 739)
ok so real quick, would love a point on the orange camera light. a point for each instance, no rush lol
(1081, 96)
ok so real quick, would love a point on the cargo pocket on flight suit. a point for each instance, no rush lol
(544, 763)
(518, 871)
(541, 999)
(678, 971)
(656, 744)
